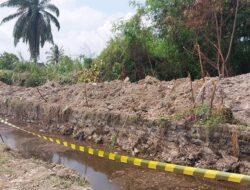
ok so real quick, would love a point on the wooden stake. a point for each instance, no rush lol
(192, 91)
(212, 99)
(86, 95)
(235, 143)
(1, 138)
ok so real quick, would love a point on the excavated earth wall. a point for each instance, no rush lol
(135, 118)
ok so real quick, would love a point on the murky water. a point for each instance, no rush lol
(104, 174)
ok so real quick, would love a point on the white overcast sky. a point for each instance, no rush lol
(85, 26)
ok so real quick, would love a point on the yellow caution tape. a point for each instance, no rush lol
(190, 171)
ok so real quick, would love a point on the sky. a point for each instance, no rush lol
(85, 26)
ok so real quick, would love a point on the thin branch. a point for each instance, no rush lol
(202, 73)
(212, 99)
(218, 43)
(192, 90)
(86, 95)
(200, 60)
(217, 48)
(234, 27)
(212, 63)
(1, 138)
(41, 94)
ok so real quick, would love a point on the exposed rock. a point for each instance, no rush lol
(67, 131)
(228, 163)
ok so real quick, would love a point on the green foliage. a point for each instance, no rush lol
(66, 71)
(82, 181)
(29, 74)
(7, 61)
(54, 55)
(138, 50)
(33, 25)
(6, 76)
(114, 139)
(202, 116)
(159, 41)
(88, 75)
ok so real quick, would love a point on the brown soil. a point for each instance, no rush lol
(18, 173)
(148, 98)
(142, 118)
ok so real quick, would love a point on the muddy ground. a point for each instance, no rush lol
(104, 174)
(18, 173)
(143, 119)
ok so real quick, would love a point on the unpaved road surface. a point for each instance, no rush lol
(17, 173)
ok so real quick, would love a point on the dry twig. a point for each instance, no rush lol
(235, 142)
(192, 90)
(86, 95)
(212, 99)
(41, 94)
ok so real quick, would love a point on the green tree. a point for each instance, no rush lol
(222, 29)
(143, 47)
(55, 54)
(33, 25)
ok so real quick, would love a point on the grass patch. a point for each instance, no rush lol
(82, 181)
(4, 160)
(201, 115)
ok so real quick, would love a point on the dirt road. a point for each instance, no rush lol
(18, 173)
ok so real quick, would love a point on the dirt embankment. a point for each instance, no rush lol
(19, 173)
(143, 118)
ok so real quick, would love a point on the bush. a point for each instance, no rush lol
(29, 79)
(67, 71)
(7, 61)
(6, 76)
(89, 75)
(202, 115)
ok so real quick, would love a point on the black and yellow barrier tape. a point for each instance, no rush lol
(167, 167)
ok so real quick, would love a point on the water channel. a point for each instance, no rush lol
(104, 174)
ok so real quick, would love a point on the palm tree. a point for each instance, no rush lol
(55, 54)
(33, 25)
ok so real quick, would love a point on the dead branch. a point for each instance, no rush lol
(86, 95)
(233, 30)
(1, 138)
(192, 90)
(235, 142)
(41, 94)
(202, 73)
(212, 99)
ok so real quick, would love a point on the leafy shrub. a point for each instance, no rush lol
(22, 66)
(89, 75)
(66, 79)
(7, 61)
(6, 76)
(28, 79)
(202, 115)
(67, 71)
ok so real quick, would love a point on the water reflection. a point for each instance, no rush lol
(32, 147)
(97, 180)
(99, 172)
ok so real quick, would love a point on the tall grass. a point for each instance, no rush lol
(31, 74)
